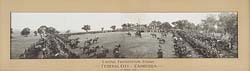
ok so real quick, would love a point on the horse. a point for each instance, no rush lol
(153, 35)
(163, 34)
(138, 33)
(129, 34)
(88, 42)
(161, 40)
(95, 39)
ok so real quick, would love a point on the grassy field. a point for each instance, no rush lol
(131, 46)
(20, 43)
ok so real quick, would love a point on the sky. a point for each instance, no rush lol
(74, 21)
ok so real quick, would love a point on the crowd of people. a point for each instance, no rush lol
(60, 46)
(180, 48)
(48, 47)
(208, 46)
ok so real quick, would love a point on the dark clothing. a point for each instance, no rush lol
(160, 54)
(116, 53)
(116, 49)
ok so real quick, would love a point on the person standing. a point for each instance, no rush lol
(35, 33)
(160, 53)
(116, 51)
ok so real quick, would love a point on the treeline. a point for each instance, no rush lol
(221, 23)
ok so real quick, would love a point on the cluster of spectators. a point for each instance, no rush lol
(208, 46)
(51, 46)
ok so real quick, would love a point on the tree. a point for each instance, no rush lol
(25, 32)
(155, 25)
(86, 27)
(183, 24)
(113, 27)
(42, 30)
(209, 23)
(165, 26)
(229, 21)
(127, 26)
(57, 32)
(124, 26)
(51, 30)
(190, 26)
(199, 27)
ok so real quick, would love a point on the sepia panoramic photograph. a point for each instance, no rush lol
(123, 35)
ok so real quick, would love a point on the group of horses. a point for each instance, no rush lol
(97, 51)
(160, 39)
(180, 48)
(137, 34)
(91, 41)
